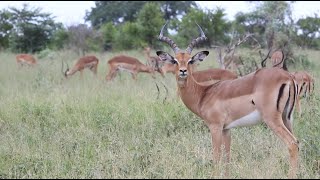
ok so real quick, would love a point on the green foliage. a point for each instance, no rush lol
(32, 29)
(59, 39)
(173, 9)
(133, 35)
(266, 22)
(127, 37)
(150, 22)
(212, 23)
(5, 28)
(113, 11)
(309, 27)
(123, 11)
(108, 32)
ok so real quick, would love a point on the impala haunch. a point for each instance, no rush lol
(90, 62)
(267, 95)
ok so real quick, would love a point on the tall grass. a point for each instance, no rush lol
(51, 127)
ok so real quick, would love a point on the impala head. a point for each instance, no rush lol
(65, 73)
(182, 59)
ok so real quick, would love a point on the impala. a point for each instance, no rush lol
(305, 84)
(127, 63)
(153, 61)
(25, 59)
(90, 62)
(268, 94)
(213, 74)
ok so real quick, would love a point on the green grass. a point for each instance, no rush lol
(56, 128)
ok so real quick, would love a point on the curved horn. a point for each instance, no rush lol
(196, 41)
(283, 58)
(172, 44)
(263, 63)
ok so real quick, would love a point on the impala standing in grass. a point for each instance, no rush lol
(267, 95)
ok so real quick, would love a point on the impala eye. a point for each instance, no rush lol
(191, 62)
(174, 62)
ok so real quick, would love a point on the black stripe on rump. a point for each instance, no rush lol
(280, 94)
(294, 100)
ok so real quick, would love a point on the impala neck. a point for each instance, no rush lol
(145, 68)
(191, 93)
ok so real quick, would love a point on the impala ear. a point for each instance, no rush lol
(166, 57)
(199, 57)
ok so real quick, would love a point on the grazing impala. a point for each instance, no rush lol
(153, 61)
(127, 63)
(268, 94)
(305, 84)
(90, 62)
(25, 59)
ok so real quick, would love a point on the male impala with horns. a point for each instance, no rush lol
(267, 95)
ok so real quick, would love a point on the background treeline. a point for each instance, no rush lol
(124, 25)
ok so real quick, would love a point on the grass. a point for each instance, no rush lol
(56, 128)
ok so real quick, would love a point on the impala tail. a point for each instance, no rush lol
(291, 101)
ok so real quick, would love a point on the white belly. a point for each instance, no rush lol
(249, 120)
(124, 69)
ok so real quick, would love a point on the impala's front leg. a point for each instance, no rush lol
(226, 140)
(216, 135)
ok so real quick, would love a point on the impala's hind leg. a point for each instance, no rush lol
(94, 69)
(112, 73)
(276, 124)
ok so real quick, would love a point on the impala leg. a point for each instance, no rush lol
(94, 70)
(216, 135)
(161, 72)
(81, 74)
(226, 140)
(299, 106)
(134, 76)
(218, 138)
(278, 127)
(111, 74)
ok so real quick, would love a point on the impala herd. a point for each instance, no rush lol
(219, 97)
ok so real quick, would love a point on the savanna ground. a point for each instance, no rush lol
(56, 128)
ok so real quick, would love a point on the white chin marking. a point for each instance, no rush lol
(250, 119)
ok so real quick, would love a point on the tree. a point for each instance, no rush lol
(5, 28)
(114, 11)
(123, 11)
(212, 23)
(309, 27)
(60, 39)
(150, 21)
(83, 38)
(271, 22)
(32, 29)
(173, 9)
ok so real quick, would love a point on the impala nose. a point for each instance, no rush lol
(183, 72)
